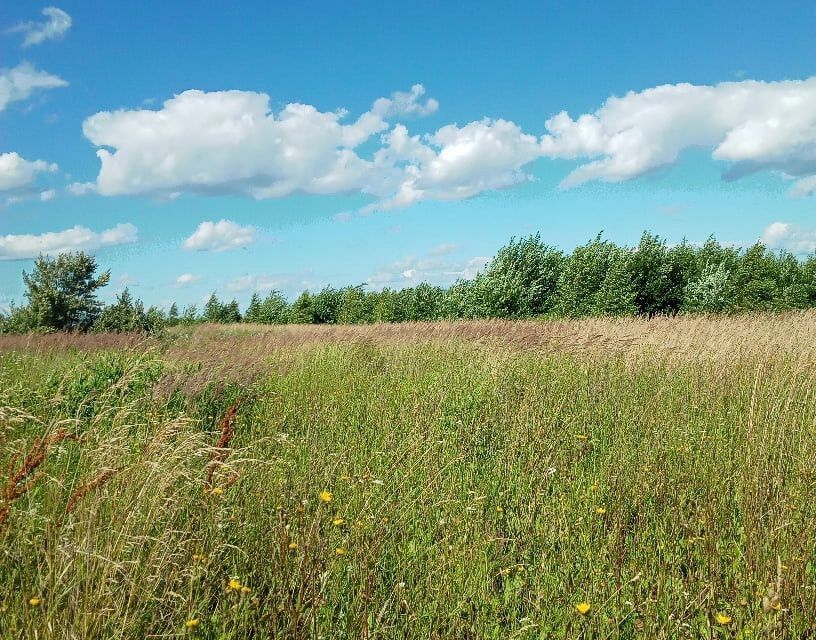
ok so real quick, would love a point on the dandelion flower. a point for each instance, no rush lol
(234, 584)
(583, 608)
(217, 491)
(293, 545)
(600, 511)
(582, 437)
(340, 551)
(722, 618)
(338, 521)
(192, 623)
(499, 509)
(35, 602)
(326, 496)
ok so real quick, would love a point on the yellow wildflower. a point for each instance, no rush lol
(722, 618)
(581, 436)
(583, 608)
(500, 509)
(600, 511)
(35, 602)
(234, 584)
(217, 491)
(192, 623)
(326, 496)
(245, 589)
(338, 521)
(340, 551)
(293, 545)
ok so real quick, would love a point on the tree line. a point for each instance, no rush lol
(526, 279)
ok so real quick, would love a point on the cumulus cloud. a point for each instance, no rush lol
(56, 24)
(23, 80)
(186, 279)
(220, 236)
(48, 194)
(231, 142)
(783, 235)
(78, 238)
(752, 125)
(17, 173)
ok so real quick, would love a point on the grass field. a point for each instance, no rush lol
(596, 478)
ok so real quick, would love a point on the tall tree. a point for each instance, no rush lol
(62, 291)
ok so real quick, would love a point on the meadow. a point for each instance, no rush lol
(596, 478)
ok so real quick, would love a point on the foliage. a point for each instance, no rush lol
(526, 279)
(61, 292)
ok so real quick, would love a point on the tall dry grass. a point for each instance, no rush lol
(467, 480)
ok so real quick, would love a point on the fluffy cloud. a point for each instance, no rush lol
(17, 173)
(223, 235)
(55, 25)
(405, 104)
(231, 142)
(22, 247)
(186, 279)
(23, 80)
(410, 270)
(783, 235)
(81, 188)
(752, 125)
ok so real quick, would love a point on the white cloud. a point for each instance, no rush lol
(81, 188)
(22, 247)
(186, 279)
(23, 80)
(783, 235)
(48, 194)
(223, 235)
(17, 173)
(405, 104)
(411, 270)
(752, 125)
(230, 142)
(55, 26)
(260, 283)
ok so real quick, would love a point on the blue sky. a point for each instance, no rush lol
(683, 118)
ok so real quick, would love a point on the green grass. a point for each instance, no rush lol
(484, 492)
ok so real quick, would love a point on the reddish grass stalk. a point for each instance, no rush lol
(83, 490)
(220, 451)
(21, 481)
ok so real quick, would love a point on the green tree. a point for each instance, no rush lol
(326, 306)
(173, 315)
(231, 312)
(275, 308)
(213, 310)
(303, 309)
(253, 311)
(190, 314)
(591, 283)
(521, 280)
(711, 292)
(62, 290)
(126, 314)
